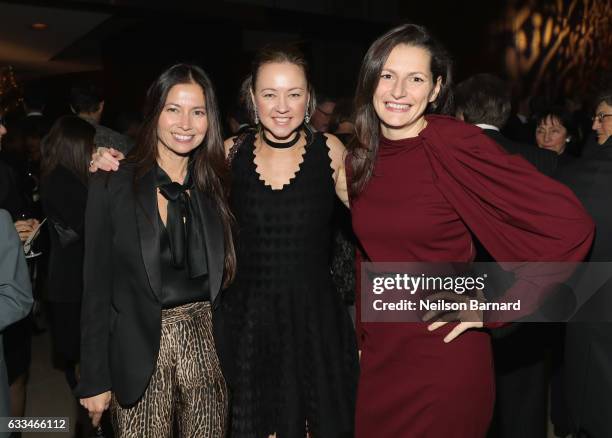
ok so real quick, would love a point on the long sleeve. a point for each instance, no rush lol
(15, 288)
(96, 306)
(519, 214)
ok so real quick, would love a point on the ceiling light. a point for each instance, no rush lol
(39, 26)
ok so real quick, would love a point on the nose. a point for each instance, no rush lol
(546, 137)
(596, 123)
(397, 92)
(185, 122)
(281, 106)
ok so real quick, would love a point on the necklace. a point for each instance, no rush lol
(277, 145)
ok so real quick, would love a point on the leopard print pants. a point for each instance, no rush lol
(187, 392)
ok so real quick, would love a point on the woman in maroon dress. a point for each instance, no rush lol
(420, 185)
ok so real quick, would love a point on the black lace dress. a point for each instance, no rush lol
(294, 350)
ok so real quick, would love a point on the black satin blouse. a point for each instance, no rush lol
(182, 248)
(178, 287)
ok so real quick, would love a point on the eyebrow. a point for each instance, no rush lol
(274, 89)
(176, 104)
(412, 73)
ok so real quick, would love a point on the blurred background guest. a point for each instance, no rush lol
(15, 294)
(602, 120)
(556, 132)
(17, 345)
(588, 357)
(484, 100)
(22, 144)
(341, 120)
(21, 151)
(321, 115)
(238, 121)
(87, 102)
(67, 150)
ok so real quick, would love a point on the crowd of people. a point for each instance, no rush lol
(198, 287)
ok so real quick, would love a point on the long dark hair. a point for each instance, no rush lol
(210, 173)
(70, 143)
(364, 147)
(278, 53)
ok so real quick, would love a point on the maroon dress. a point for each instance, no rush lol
(426, 195)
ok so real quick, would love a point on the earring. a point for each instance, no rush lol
(307, 118)
(256, 117)
(568, 139)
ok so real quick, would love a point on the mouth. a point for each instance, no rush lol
(281, 120)
(397, 107)
(181, 138)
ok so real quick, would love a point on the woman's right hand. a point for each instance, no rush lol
(105, 159)
(25, 228)
(96, 406)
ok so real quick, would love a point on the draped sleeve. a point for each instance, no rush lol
(519, 214)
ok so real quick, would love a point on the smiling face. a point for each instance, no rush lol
(404, 90)
(552, 135)
(281, 98)
(603, 128)
(183, 122)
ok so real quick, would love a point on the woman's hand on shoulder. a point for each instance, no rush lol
(337, 153)
(105, 159)
(96, 406)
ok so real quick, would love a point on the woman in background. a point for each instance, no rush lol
(556, 131)
(66, 153)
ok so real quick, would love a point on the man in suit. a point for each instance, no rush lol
(519, 349)
(87, 102)
(15, 292)
(484, 100)
(588, 352)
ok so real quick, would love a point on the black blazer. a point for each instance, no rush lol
(121, 312)
(543, 160)
(64, 198)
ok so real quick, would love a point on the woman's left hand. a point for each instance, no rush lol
(468, 319)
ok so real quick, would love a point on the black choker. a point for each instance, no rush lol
(276, 145)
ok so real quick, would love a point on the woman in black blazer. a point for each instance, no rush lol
(66, 152)
(158, 248)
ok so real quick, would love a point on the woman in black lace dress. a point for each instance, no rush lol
(294, 351)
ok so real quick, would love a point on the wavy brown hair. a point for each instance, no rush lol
(210, 172)
(364, 146)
